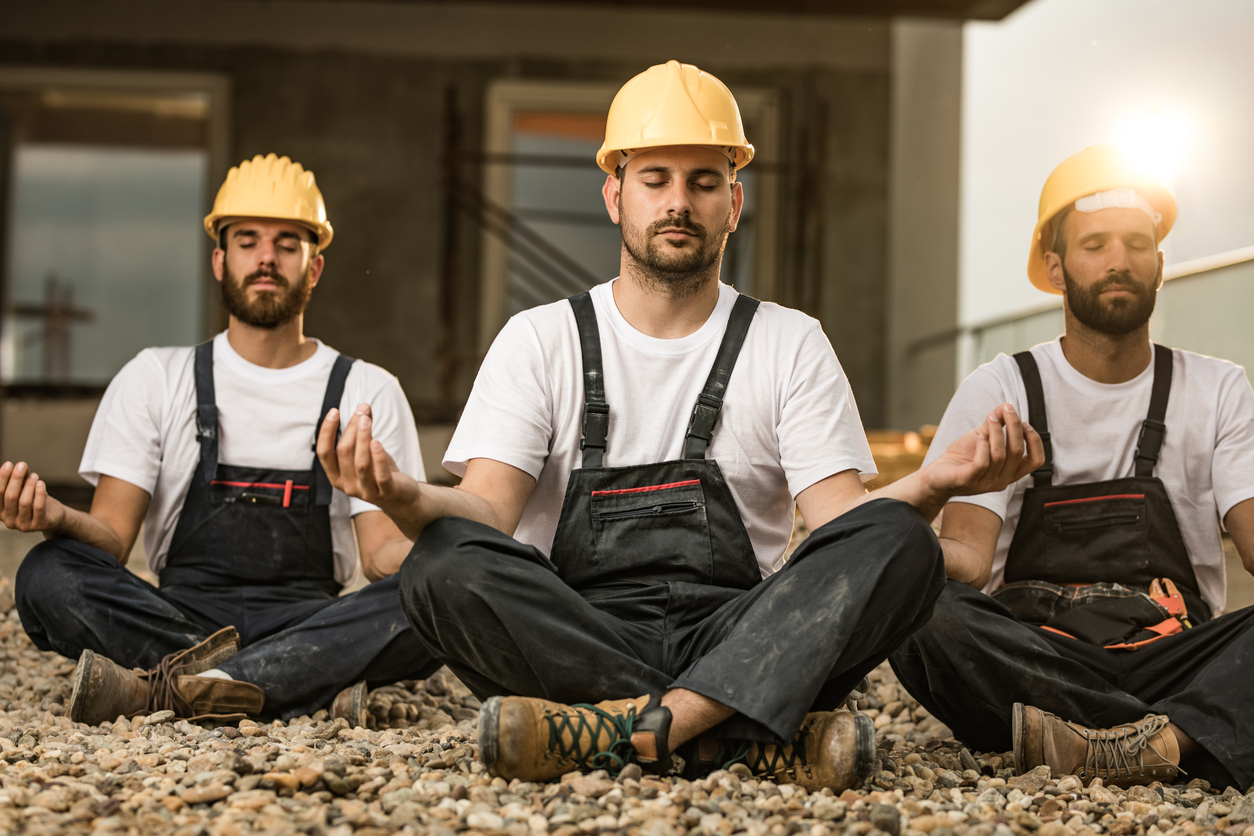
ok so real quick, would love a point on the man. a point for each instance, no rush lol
(1099, 651)
(642, 589)
(211, 448)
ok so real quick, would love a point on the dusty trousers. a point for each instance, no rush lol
(496, 612)
(301, 646)
(974, 660)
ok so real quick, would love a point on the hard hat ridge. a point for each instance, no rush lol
(271, 187)
(673, 104)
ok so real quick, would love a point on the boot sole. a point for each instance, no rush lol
(489, 731)
(82, 674)
(1016, 726)
(864, 746)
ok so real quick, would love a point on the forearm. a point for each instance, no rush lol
(86, 529)
(429, 502)
(914, 489)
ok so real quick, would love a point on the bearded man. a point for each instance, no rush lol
(609, 574)
(211, 448)
(1097, 647)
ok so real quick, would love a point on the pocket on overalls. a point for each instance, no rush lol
(1094, 538)
(658, 532)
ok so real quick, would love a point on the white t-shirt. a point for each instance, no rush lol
(1206, 462)
(145, 431)
(788, 421)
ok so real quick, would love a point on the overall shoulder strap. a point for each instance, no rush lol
(1153, 429)
(1037, 416)
(206, 411)
(330, 400)
(710, 401)
(596, 412)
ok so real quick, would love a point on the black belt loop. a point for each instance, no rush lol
(330, 400)
(710, 402)
(596, 412)
(206, 412)
(1153, 429)
(1037, 416)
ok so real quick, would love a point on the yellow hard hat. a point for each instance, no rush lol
(271, 187)
(673, 104)
(1096, 169)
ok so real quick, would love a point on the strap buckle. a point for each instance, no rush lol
(596, 425)
(201, 430)
(704, 416)
(1154, 432)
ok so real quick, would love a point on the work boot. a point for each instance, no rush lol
(103, 689)
(833, 749)
(350, 704)
(1134, 753)
(540, 740)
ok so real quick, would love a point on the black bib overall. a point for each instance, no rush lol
(247, 533)
(1091, 560)
(660, 532)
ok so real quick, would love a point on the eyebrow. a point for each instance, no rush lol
(696, 172)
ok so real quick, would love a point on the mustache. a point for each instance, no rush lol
(1122, 278)
(265, 273)
(678, 222)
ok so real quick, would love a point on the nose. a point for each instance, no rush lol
(678, 200)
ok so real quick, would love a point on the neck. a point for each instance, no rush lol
(271, 348)
(1106, 358)
(654, 311)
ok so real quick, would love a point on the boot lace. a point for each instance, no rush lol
(769, 758)
(577, 734)
(163, 692)
(1120, 752)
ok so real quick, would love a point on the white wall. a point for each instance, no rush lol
(1059, 75)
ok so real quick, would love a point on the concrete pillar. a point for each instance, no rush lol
(924, 155)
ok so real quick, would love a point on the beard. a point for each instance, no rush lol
(678, 271)
(1116, 317)
(271, 308)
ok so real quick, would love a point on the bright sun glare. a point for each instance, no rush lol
(1155, 141)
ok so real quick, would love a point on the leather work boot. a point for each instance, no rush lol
(103, 689)
(540, 740)
(833, 749)
(1134, 753)
(350, 704)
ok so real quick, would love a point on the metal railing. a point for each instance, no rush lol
(1205, 305)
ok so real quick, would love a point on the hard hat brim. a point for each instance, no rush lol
(605, 157)
(324, 234)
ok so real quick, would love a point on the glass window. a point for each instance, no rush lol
(105, 253)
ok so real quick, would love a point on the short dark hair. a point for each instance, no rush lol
(1056, 228)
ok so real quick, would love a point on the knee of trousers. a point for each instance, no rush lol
(917, 554)
(53, 573)
(447, 570)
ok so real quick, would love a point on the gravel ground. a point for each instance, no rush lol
(415, 772)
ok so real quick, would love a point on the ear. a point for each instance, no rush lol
(738, 203)
(219, 261)
(1053, 271)
(1159, 285)
(610, 191)
(315, 269)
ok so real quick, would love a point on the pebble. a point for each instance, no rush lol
(414, 771)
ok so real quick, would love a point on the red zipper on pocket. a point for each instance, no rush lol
(287, 487)
(621, 491)
(1095, 499)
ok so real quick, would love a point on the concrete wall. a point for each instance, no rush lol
(361, 94)
(923, 230)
